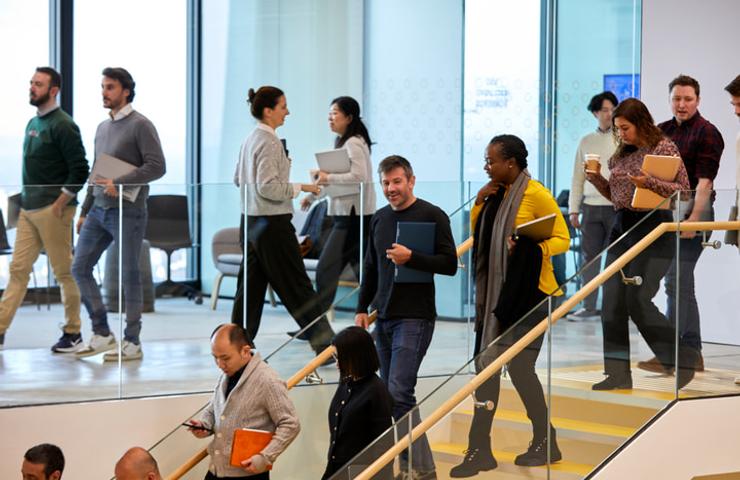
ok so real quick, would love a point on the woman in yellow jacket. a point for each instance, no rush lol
(512, 279)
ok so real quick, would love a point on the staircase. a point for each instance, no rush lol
(590, 426)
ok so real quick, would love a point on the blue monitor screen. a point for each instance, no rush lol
(621, 85)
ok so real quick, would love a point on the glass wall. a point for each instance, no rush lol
(22, 23)
(435, 81)
(311, 50)
(597, 48)
(156, 58)
(502, 79)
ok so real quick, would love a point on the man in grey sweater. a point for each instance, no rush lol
(249, 394)
(130, 137)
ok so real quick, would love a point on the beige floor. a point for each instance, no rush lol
(177, 356)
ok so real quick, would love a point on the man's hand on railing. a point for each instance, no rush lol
(362, 320)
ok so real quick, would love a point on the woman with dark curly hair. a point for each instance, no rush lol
(638, 136)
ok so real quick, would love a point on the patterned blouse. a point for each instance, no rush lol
(619, 189)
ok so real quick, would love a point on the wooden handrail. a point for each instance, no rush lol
(297, 377)
(459, 396)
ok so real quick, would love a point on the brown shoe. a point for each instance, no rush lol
(654, 365)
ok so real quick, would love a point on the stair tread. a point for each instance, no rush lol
(564, 423)
(508, 457)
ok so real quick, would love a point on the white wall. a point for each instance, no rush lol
(700, 40)
(93, 435)
(695, 437)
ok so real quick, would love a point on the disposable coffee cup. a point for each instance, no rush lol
(591, 162)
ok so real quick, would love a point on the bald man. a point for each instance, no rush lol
(249, 394)
(137, 464)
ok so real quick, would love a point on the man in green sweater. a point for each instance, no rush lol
(54, 170)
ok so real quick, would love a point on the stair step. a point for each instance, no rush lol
(453, 453)
(563, 425)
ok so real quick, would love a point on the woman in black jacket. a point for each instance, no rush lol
(361, 409)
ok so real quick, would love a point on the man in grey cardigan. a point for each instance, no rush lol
(129, 137)
(249, 394)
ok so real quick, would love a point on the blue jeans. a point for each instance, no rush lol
(98, 232)
(401, 346)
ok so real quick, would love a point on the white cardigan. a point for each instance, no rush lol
(360, 171)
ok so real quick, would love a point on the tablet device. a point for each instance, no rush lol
(538, 229)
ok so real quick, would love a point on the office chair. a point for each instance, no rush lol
(168, 229)
(227, 258)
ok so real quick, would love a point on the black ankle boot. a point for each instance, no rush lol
(536, 454)
(477, 459)
(614, 382)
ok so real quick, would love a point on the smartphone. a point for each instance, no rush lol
(196, 427)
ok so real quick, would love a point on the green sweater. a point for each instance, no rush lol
(53, 158)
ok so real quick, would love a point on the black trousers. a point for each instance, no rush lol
(273, 257)
(523, 377)
(342, 248)
(259, 476)
(622, 302)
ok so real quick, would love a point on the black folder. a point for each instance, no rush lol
(418, 237)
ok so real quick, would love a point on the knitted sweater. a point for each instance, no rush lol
(582, 191)
(53, 158)
(132, 139)
(264, 171)
(258, 401)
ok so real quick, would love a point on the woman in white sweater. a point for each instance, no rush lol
(273, 254)
(350, 213)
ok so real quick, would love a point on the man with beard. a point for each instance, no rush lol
(700, 144)
(406, 311)
(130, 137)
(54, 170)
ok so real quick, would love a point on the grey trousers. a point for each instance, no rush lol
(596, 224)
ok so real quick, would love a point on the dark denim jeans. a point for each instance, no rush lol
(690, 249)
(98, 232)
(402, 344)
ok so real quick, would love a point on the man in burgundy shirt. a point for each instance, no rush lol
(701, 145)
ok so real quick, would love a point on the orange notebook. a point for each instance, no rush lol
(248, 442)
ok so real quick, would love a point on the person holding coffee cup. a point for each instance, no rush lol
(638, 136)
(589, 211)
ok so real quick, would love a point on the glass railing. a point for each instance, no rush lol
(701, 297)
(287, 357)
(573, 419)
(200, 226)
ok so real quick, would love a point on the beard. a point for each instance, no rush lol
(40, 100)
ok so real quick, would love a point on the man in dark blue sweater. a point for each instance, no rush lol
(406, 311)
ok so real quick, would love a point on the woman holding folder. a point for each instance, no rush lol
(512, 280)
(348, 212)
(638, 136)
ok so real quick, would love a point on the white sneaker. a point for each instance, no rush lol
(98, 344)
(129, 351)
(583, 315)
